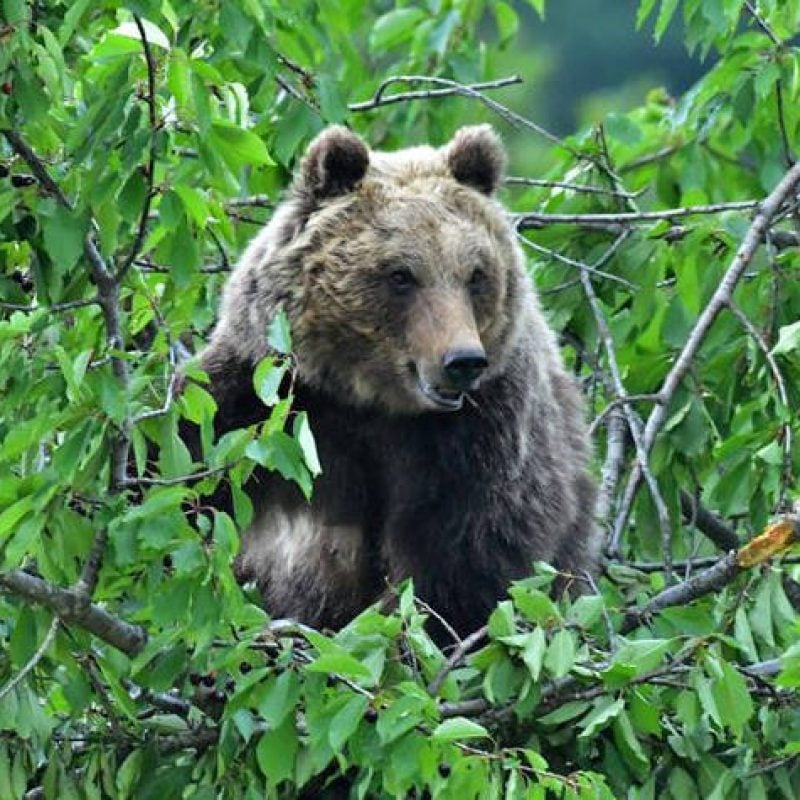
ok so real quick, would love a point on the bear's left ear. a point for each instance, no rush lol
(335, 162)
(476, 157)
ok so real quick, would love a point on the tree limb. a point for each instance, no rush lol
(719, 300)
(73, 607)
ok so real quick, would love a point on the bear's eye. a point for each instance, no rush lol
(478, 282)
(402, 281)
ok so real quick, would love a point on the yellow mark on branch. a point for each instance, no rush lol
(776, 538)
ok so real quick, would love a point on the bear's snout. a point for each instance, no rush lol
(463, 367)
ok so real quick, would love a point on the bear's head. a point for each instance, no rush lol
(407, 276)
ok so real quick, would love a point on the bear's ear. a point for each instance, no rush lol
(476, 157)
(335, 162)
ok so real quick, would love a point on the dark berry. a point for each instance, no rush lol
(21, 181)
(445, 769)
(3, 171)
(331, 680)
(167, 562)
(208, 680)
(371, 715)
(195, 678)
(245, 667)
(7, 87)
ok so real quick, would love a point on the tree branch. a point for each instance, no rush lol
(379, 99)
(151, 156)
(707, 523)
(719, 300)
(73, 607)
(535, 219)
(33, 660)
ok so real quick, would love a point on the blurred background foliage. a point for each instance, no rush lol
(142, 144)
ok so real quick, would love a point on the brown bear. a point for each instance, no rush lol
(450, 435)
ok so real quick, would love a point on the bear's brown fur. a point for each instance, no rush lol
(451, 438)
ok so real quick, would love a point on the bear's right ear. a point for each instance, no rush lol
(335, 162)
(476, 157)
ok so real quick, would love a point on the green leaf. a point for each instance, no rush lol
(664, 16)
(276, 752)
(267, 379)
(12, 515)
(538, 7)
(732, 699)
(277, 698)
(237, 146)
(305, 438)
(64, 233)
(604, 710)
(788, 339)
(279, 335)
(458, 728)
(507, 21)
(393, 28)
(560, 654)
(346, 721)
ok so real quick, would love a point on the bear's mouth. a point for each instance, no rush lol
(444, 399)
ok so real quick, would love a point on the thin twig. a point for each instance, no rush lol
(31, 663)
(572, 187)
(379, 98)
(455, 658)
(615, 404)
(177, 481)
(763, 24)
(254, 201)
(634, 425)
(151, 156)
(652, 158)
(55, 308)
(535, 219)
(465, 91)
(787, 477)
(554, 254)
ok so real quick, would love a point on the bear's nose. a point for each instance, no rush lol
(463, 367)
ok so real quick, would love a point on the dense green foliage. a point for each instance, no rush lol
(130, 178)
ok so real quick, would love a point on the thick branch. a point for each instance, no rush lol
(73, 607)
(707, 523)
(721, 574)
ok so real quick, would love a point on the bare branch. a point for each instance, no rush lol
(195, 476)
(572, 187)
(707, 523)
(719, 300)
(463, 90)
(612, 466)
(73, 607)
(721, 574)
(33, 660)
(634, 424)
(534, 219)
(591, 268)
(55, 308)
(455, 658)
(787, 478)
(763, 24)
(151, 156)
(380, 98)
